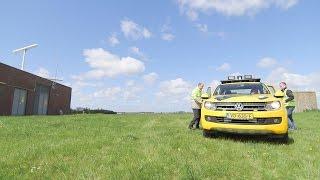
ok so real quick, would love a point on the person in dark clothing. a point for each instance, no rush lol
(196, 119)
(196, 102)
(289, 103)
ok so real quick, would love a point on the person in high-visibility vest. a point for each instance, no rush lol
(289, 103)
(196, 102)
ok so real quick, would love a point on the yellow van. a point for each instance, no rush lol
(243, 104)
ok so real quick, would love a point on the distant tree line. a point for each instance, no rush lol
(91, 111)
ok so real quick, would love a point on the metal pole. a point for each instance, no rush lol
(23, 57)
(55, 76)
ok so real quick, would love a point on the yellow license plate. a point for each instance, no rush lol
(241, 116)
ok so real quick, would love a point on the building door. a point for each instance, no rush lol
(19, 102)
(41, 100)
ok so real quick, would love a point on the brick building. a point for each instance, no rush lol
(23, 93)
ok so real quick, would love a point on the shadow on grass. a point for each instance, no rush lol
(247, 138)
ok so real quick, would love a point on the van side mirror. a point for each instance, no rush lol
(205, 96)
(279, 94)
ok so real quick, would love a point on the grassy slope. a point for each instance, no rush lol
(145, 146)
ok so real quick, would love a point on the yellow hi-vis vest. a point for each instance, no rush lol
(196, 94)
(291, 103)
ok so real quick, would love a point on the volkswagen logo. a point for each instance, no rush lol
(238, 106)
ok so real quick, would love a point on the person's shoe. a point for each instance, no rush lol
(197, 127)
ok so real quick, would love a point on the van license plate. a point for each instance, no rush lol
(241, 116)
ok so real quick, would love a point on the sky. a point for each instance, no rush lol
(148, 55)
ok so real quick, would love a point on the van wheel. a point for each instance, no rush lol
(282, 138)
(285, 138)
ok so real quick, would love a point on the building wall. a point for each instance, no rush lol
(60, 98)
(305, 101)
(5, 97)
(11, 78)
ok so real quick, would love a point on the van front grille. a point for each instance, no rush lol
(256, 121)
(246, 106)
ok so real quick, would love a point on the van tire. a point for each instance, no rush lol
(284, 138)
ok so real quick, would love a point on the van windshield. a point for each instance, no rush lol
(241, 89)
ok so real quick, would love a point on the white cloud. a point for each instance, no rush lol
(221, 34)
(166, 29)
(267, 62)
(297, 80)
(113, 40)
(167, 36)
(98, 96)
(174, 95)
(202, 27)
(43, 72)
(231, 7)
(146, 33)
(81, 84)
(109, 93)
(130, 83)
(105, 64)
(214, 84)
(175, 88)
(131, 93)
(79, 98)
(192, 15)
(286, 4)
(294, 80)
(224, 67)
(135, 50)
(235, 74)
(150, 78)
(134, 31)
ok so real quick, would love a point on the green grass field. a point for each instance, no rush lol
(155, 146)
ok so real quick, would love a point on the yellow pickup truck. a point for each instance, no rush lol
(243, 104)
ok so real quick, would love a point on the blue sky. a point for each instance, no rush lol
(148, 55)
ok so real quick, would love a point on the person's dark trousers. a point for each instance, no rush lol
(291, 123)
(196, 118)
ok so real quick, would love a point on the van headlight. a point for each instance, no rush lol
(275, 105)
(210, 105)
